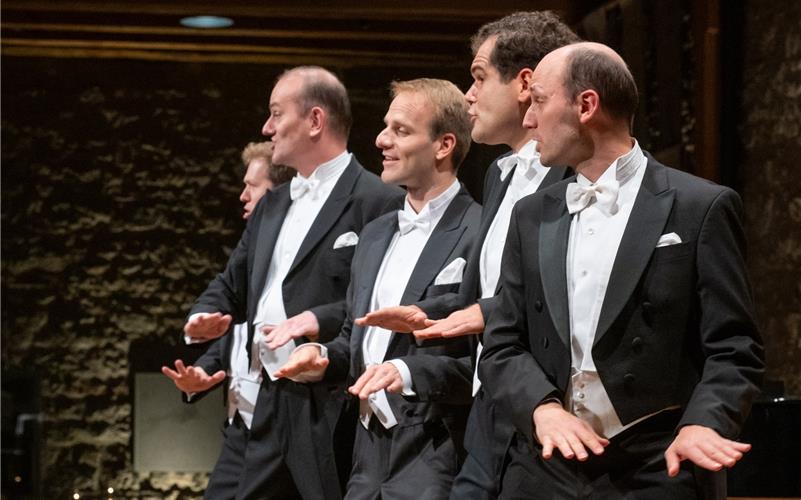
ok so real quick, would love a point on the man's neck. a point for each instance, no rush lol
(419, 196)
(316, 158)
(520, 139)
(606, 151)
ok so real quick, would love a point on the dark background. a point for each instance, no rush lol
(121, 134)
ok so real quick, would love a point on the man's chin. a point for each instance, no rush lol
(481, 137)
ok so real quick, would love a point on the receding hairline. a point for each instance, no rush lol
(600, 49)
(563, 56)
(308, 74)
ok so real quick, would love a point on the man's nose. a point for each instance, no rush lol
(267, 129)
(470, 95)
(530, 119)
(381, 141)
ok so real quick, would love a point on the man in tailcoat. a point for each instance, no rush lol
(623, 345)
(506, 51)
(413, 395)
(287, 278)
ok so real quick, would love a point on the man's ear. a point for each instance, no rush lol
(524, 80)
(447, 142)
(317, 119)
(589, 105)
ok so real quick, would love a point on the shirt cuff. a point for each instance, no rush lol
(406, 376)
(191, 340)
(323, 349)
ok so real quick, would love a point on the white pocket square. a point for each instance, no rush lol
(452, 273)
(668, 239)
(346, 240)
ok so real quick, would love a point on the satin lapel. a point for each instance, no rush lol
(554, 234)
(439, 245)
(554, 175)
(269, 227)
(366, 274)
(492, 201)
(434, 255)
(646, 222)
(490, 209)
(337, 202)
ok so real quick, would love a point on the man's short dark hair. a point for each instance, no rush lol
(322, 88)
(587, 68)
(523, 38)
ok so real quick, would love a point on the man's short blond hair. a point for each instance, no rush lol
(277, 174)
(450, 111)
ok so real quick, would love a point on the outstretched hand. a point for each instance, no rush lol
(376, 378)
(304, 365)
(463, 322)
(705, 448)
(403, 319)
(207, 326)
(191, 379)
(301, 325)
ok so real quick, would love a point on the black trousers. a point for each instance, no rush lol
(486, 440)
(631, 467)
(413, 462)
(285, 455)
(231, 478)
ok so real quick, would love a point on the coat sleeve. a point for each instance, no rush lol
(227, 292)
(507, 368)
(732, 349)
(441, 378)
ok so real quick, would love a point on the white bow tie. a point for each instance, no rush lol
(407, 222)
(604, 194)
(524, 166)
(299, 186)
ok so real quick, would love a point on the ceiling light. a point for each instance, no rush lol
(207, 22)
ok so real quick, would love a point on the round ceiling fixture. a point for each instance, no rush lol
(207, 22)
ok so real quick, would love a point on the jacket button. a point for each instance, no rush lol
(647, 312)
(538, 306)
(636, 344)
(409, 412)
(628, 379)
(544, 342)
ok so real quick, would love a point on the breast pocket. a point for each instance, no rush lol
(674, 252)
(338, 262)
(436, 290)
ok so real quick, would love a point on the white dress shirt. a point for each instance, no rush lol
(595, 234)
(246, 375)
(526, 178)
(299, 219)
(396, 268)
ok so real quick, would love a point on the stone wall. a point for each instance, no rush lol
(767, 153)
(120, 183)
(120, 187)
(119, 202)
